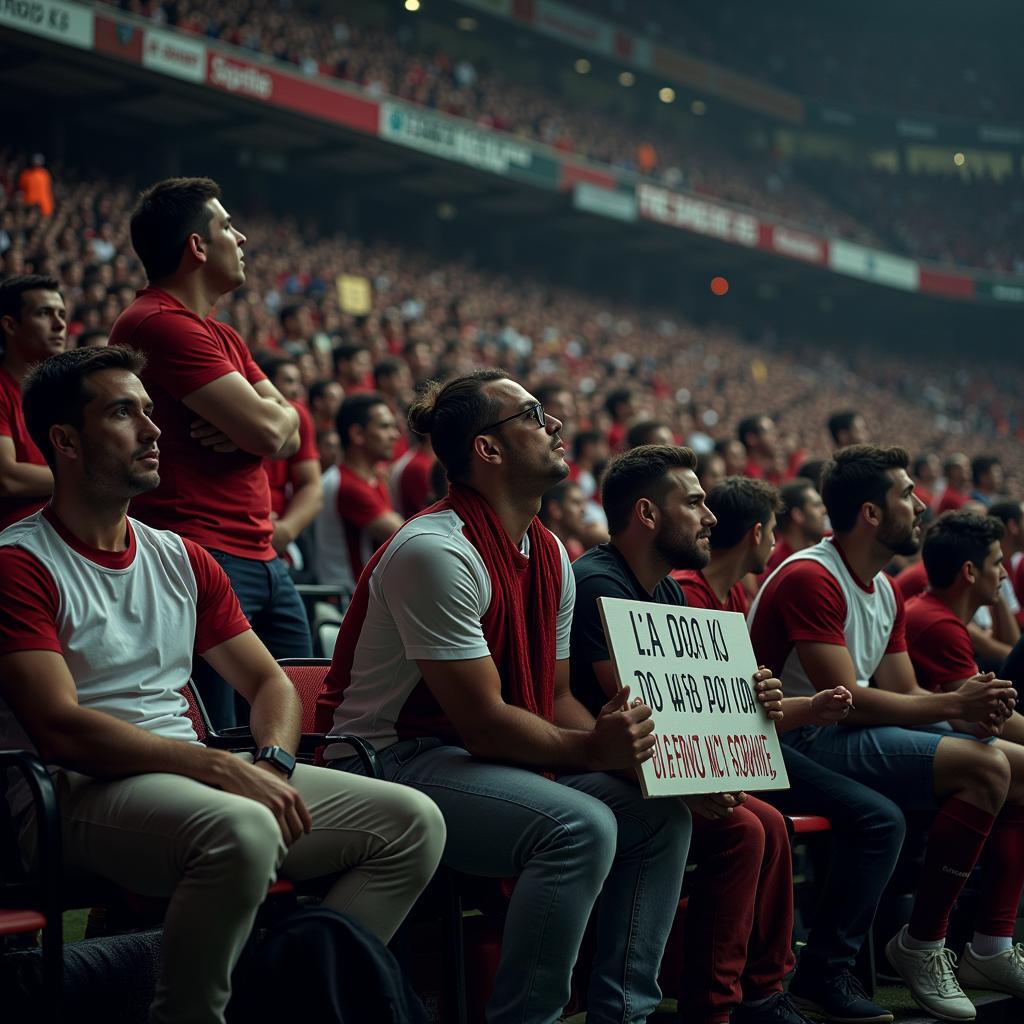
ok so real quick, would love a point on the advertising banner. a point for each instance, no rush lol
(694, 669)
(463, 142)
(51, 19)
(693, 214)
(174, 54)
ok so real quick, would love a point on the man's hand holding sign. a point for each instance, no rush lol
(695, 670)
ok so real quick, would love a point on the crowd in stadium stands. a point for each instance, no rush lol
(472, 655)
(839, 59)
(450, 317)
(924, 217)
(973, 223)
(386, 62)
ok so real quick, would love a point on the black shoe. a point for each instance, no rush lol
(779, 1009)
(836, 997)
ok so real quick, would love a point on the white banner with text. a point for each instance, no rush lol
(694, 668)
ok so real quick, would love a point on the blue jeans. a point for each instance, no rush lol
(569, 841)
(277, 615)
(867, 835)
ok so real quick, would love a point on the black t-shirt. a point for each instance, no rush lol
(603, 572)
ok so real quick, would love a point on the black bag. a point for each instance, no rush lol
(322, 966)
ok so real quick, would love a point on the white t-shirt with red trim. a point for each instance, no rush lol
(126, 623)
(815, 597)
(428, 596)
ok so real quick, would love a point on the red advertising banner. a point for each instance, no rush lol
(293, 92)
(937, 282)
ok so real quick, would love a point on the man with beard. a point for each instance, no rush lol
(829, 615)
(741, 543)
(739, 918)
(453, 660)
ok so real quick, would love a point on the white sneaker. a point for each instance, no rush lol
(930, 974)
(1003, 972)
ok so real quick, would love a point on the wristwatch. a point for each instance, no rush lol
(278, 757)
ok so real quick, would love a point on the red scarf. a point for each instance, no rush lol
(519, 624)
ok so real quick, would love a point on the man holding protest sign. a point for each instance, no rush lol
(453, 660)
(829, 614)
(739, 918)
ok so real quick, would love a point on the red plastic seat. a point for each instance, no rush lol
(803, 824)
(17, 922)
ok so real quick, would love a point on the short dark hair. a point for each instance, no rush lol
(346, 352)
(546, 391)
(317, 389)
(840, 421)
(452, 414)
(387, 367)
(738, 502)
(12, 291)
(56, 390)
(955, 538)
(750, 425)
(555, 496)
(616, 398)
(639, 473)
(93, 332)
(640, 433)
(287, 312)
(856, 474)
(271, 365)
(355, 412)
(812, 470)
(982, 464)
(1006, 511)
(583, 438)
(164, 216)
(793, 496)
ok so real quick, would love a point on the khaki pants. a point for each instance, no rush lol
(214, 854)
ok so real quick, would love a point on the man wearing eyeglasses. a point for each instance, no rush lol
(453, 661)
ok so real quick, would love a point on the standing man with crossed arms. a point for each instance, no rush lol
(220, 415)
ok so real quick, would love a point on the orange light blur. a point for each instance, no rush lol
(719, 285)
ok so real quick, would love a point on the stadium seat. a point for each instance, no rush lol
(33, 903)
(307, 675)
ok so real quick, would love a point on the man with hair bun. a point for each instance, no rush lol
(453, 661)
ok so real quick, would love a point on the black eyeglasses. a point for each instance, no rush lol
(536, 411)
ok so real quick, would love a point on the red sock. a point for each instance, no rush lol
(1003, 873)
(955, 841)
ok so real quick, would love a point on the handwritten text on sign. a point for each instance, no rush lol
(694, 668)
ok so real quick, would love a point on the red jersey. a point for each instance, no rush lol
(804, 601)
(359, 504)
(951, 500)
(411, 483)
(12, 425)
(912, 581)
(221, 501)
(279, 471)
(780, 553)
(938, 642)
(699, 593)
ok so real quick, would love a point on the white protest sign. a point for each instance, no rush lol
(694, 668)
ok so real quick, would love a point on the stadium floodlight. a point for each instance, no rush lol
(667, 94)
(626, 78)
(412, 5)
(582, 66)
